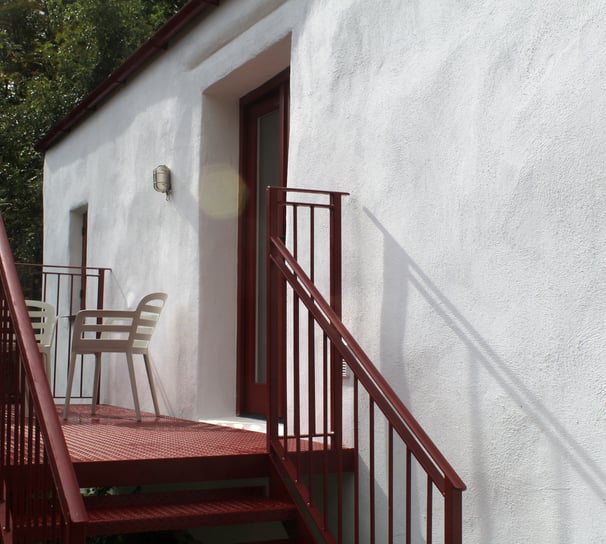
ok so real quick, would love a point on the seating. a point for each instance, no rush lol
(116, 331)
(43, 318)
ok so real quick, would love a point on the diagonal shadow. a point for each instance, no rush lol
(481, 352)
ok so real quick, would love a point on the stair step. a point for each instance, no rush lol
(151, 512)
(170, 470)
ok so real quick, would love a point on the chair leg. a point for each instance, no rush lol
(133, 383)
(151, 383)
(46, 360)
(93, 407)
(70, 381)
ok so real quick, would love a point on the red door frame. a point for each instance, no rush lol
(252, 397)
(84, 260)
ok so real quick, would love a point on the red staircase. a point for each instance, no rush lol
(346, 464)
(174, 474)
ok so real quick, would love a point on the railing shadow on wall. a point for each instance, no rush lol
(40, 499)
(69, 289)
(359, 444)
(412, 276)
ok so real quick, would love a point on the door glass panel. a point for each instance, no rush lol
(268, 174)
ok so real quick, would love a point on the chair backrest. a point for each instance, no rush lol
(43, 319)
(117, 331)
(146, 318)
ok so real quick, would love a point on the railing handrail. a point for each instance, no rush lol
(279, 189)
(60, 464)
(69, 267)
(422, 447)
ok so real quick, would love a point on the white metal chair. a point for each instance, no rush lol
(43, 318)
(116, 331)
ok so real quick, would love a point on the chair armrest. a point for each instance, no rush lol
(124, 314)
(103, 321)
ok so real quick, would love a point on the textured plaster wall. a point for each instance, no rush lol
(471, 137)
(185, 246)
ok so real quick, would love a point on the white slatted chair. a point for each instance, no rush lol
(116, 331)
(43, 318)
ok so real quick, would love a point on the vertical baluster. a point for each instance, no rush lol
(312, 243)
(429, 537)
(295, 232)
(50, 501)
(271, 285)
(325, 427)
(282, 378)
(337, 405)
(356, 462)
(296, 385)
(4, 383)
(371, 468)
(282, 381)
(390, 477)
(408, 495)
(38, 509)
(21, 461)
(280, 211)
(312, 351)
(43, 276)
(311, 401)
(335, 253)
(5, 392)
(69, 334)
(29, 469)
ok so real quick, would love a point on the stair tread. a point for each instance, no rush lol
(164, 511)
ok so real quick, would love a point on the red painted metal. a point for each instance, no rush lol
(36, 473)
(272, 96)
(61, 286)
(390, 491)
(145, 512)
(293, 295)
(371, 472)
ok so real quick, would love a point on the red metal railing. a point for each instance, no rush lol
(352, 438)
(40, 499)
(69, 289)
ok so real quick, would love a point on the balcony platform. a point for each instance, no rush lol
(111, 448)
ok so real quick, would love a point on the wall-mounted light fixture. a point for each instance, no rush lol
(162, 179)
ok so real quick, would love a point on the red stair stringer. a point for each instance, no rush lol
(300, 530)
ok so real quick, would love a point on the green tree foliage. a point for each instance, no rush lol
(52, 54)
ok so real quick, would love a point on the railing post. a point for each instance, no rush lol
(336, 362)
(453, 514)
(101, 288)
(335, 253)
(274, 329)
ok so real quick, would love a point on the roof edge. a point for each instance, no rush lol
(150, 49)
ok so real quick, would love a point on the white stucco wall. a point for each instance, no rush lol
(185, 246)
(471, 137)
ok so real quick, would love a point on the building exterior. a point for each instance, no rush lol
(470, 137)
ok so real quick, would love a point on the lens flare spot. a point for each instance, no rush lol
(222, 192)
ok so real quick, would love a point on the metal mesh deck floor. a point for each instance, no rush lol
(114, 435)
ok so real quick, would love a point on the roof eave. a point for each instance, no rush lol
(155, 45)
